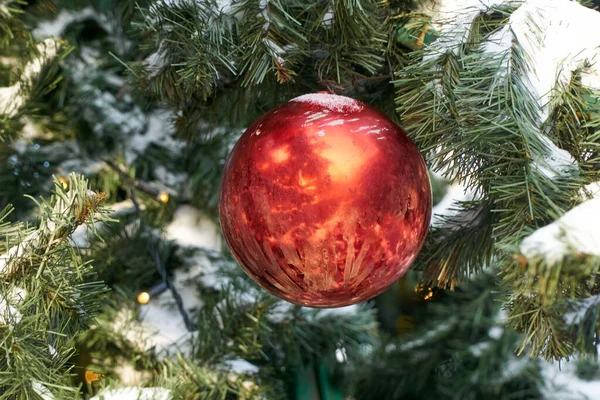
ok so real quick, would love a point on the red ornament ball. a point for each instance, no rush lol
(325, 202)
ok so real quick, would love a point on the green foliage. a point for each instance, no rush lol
(587, 369)
(257, 54)
(462, 352)
(217, 70)
(474, 117)
(48, 294)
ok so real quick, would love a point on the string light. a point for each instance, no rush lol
(163, 197)
(91, 376)
(143, 298)
(425, 292)
(64, 181)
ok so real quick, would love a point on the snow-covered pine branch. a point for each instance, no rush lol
(69, 210)
(577, 231)
(12, 98)
(553, 36)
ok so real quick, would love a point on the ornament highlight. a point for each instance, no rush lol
(325, 202)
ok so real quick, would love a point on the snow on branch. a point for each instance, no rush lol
(134, 393)
(553, 37)
(12, 98)
(69, 210)
(57, 26)
(576, 231)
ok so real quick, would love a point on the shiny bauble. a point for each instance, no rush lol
(325, 202)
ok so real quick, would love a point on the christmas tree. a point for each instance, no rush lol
(116, 120)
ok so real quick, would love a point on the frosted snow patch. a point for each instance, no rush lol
(578, 230)
(448, 205)
(156, 61)
(555, 38)
(557, 161)
(134, 393)
(562, 383)
(575, 317)
(241, 366)
(42, 391)
(347, 310)
(162, 326)
(57, 26)
(190, 227)
(340, 355)
(327, 21)
(11, 97)
(453, 19)
(9, 315)
(496, 332)
(332, 102)
(159, 130)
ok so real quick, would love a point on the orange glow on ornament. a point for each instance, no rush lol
(325, 202)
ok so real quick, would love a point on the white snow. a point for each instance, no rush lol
(9, 315)
(129, 375)
(57, 26)
(478, 349)
(163, 325)
(11, 97)
(16, 252)
(241, 366)
(575, 317)
(340, 355)
(496, 332)
(327, 21)
(134, 393)
(42, 391)
(590, 191)
(561, 383)
(453, 20)
(173, 180)
(280, 312)
(554, 35)
(331, 102)
(448, 205)
(156, 61)
(578, 230)
(225, 6)
(514, 367)
(159, 130)
(191, 227)
(52, 350)
(275, 50)
(347, 310)
(556, 162)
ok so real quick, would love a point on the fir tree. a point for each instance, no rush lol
(115, 121)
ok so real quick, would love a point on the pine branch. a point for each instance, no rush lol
(49, 293)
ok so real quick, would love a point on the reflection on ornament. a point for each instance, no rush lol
(325, 202)
(143, 298)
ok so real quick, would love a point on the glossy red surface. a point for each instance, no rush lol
(325, 202)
